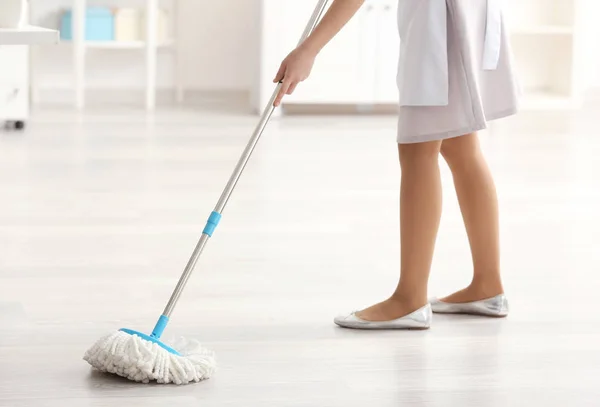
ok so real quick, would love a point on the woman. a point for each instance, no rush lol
(455, 73)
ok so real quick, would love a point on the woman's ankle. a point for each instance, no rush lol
(487, 288)
(411, 300)
(474, 292)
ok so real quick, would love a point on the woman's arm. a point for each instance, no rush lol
(338, 15)
(296, 67)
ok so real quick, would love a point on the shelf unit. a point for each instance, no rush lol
(150, 46)
(545, 41)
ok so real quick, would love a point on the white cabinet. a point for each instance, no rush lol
(14, 69)
(14, 84)
(357, 67)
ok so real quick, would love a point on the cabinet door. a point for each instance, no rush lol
(336, 76)
(14, 82)
(388, 51)
(14, 103)
(368, 51)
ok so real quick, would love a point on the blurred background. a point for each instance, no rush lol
(118, 141)
(229, 50)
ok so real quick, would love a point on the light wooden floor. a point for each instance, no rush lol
(98, 215)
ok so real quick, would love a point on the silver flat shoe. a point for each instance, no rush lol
(419, 319)
(491, 307)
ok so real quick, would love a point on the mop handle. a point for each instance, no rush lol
(215, 216)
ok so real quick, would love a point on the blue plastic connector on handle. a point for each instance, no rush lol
(212, 223)
(160, 326)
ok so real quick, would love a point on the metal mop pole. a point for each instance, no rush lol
(215, 216)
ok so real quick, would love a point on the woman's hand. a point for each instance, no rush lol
(298, 64)
(295, 68)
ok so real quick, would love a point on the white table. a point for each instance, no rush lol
(28, 35)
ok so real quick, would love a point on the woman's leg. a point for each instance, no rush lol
(479, 206)
(420, 212)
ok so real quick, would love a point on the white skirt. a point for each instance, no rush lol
(475, 95)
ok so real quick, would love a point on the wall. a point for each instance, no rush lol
(218, 39)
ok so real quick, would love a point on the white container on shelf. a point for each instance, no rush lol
(128, 27)
(11, 12)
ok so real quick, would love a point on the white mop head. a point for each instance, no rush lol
(143, 361)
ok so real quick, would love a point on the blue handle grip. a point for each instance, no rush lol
(212, 223)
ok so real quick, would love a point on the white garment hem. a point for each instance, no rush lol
(422, 138)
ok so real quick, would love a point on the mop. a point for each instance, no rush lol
(145, 358)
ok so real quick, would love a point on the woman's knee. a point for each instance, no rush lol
(419, 153)
(461, 151)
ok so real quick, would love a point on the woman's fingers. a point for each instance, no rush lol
(282, 91)
(287, 88)
(292, 88)
(280, 73)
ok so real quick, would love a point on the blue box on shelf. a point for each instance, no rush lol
(99, 25)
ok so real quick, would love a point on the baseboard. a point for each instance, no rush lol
(339, 109)
(238, 100)
(231, 100)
